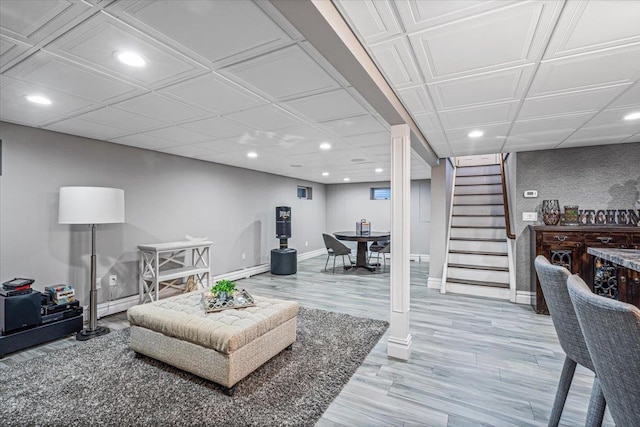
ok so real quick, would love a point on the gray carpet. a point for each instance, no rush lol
(101, 382)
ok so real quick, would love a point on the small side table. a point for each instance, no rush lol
(166, 264)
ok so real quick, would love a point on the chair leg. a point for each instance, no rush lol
(325, 264)
(597, 404)
(566, 377)
(334, 264)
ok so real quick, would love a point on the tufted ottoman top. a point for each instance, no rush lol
(183, 317)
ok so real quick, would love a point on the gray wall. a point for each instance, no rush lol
(591, 177)
(349, 203)
(166, 198)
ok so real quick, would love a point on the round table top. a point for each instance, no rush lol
(353, 236)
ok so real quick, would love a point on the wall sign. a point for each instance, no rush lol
(609, 216)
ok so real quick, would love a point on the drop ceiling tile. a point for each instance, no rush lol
(374, 20)
(186, 151)
(160, 107)
(145, 141)
(608, 139)
(632, 138)
(213, 93)
(244, 143)
(217, 127)
(94, 43)
(178, 135)
(86, 129)
(616, 22)
(55, 72)
(215, 30)
(14, 92)
(26, 114)
(469, 46)
(605, 134)
(354, 126)
(416, 100)
(535, 140)
(437, 138)
(428, 122)
(493, 87)
(605, 67)
(396, 62)
(326, 106)
(108, 116)
(615, 117)
(418, 14)
(531, 146)
(629, 98)
(10, 50)
(282, 74)
(368, 140)
(570, 121)
(482, 114)
(34, 20)
(266, 117)
(492, 135)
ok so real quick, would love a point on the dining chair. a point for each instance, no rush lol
(335, 248)
(375, 247)
(611, 330)
(553, 281)
(386, 249)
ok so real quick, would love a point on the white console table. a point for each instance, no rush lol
(166, 264)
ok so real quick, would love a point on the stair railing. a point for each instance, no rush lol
(510, 235)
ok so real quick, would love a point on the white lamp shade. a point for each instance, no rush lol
(91, 205)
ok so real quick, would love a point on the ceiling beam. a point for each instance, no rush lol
(323, 26)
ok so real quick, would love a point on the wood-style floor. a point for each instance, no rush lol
(475, 362)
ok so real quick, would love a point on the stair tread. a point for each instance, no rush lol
(478, 194)
(478, 239)
(477, 204)
(482, 183)
(478, 283)
(479, 226)
(475, 215)
(479, 267)
(458, 251)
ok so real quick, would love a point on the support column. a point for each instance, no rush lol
(399, 344)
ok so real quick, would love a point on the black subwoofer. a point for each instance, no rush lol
(19, 312)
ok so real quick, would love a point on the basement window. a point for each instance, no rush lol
(381, 193)
(304, 192)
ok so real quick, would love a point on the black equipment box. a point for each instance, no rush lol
(51, 308)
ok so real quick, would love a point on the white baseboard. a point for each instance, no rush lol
(434, 283)
(419, 257)
(525, 297)
(123, 304)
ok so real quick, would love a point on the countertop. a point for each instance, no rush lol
(629, 258)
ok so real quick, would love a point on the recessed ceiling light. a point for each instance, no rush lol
(346, 179)
(131, 58)
(632, 116)
(325, 173)
(378, 170)
(252, 154)
(325, 146)
(38, 99)
(475, 134)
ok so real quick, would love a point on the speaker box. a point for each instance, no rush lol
(19, 312)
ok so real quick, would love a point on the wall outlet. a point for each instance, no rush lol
(529, 194)
(306, 243)
(244, 256)
(98, 283)
(113, 280)
(529, 216)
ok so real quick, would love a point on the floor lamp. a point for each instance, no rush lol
(92, 206)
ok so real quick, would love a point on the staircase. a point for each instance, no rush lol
(477, 258)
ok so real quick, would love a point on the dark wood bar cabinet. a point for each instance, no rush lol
(567, 245)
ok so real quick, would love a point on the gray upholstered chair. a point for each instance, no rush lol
(335, 248)
(553, 281)
(376, 247)
(612, 332)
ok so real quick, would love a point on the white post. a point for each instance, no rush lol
(399, 344)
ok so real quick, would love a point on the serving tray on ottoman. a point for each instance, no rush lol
(224, 346)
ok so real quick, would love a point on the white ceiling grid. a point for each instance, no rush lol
(532, 75)
(223, 78)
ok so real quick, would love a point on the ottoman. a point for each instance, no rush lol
(223, 346)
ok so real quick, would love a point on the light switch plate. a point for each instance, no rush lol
(528, 194)
(529, 216)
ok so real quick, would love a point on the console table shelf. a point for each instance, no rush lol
(167, 264)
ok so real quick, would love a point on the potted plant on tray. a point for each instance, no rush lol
(223, 289)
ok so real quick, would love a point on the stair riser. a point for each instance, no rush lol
(478, 221)
(478, 189)
(489, 199)
(479, 260)
(481, 233)
(479, 210)
(470, 245)
(490, 179)
(478, 170)
(479, 291)
(479, 275)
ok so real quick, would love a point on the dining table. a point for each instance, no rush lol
(625, 274)
(363, 239)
